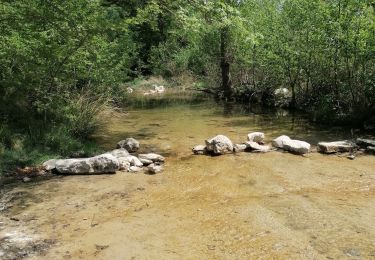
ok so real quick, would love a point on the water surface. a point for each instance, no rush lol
(240, 206)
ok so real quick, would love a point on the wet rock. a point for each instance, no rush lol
(145, 161)
(50, 164)
(121, 152)
(130, 144)
(364, 143)
(237, 148)
(135, 169)
(335, 147)
(219, 144)
(154, 168)
(257, 137)
(152, 157)
(296, 146)
(105, 163)
(199, 149)
(255, 147)
(278, 142)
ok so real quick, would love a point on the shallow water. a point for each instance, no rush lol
(242, 206)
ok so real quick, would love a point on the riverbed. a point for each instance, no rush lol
(238, 206)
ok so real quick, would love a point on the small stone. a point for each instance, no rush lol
(152, 157)
(219, 144)
(278, 142)
(199, 149)
(351, 157)
(296, 146)
(257, 137)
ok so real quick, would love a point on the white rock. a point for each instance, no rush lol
(219, 144)
(129, 90)
(152, 157)
(130, 144)
(50, 164)
(335, 147)
(118, 153)
(296, 146)
(134, 161)
(153, 168)
(255, 147)
(124, 163)
(278, 142)
(256, 137)
(199, 149)
(237, 148)
(105, 163)
(135, 169)
(145, 161)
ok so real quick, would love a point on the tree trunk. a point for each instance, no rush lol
(225, 64)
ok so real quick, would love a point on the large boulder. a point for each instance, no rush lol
(336, 147)
(278, 142)
(219, 144)
(296, 146)
(257, 137)
(130, 144)
(255, 147)
(199, 149)
(105, 163)
(152, 157)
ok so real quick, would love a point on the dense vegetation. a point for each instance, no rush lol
(62, 62)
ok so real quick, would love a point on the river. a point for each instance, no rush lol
(241, 206)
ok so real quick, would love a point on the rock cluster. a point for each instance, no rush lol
(221, 144)
(119, 159)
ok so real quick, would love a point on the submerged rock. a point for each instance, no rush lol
(130, 144)
(296, 146)
(105, 163)
(219, 144)
(199, 149)
(152, 157)
(255, 147)
(257, 137)
(154, 168)
(237, 148)
(336, 147)
(278, 142)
